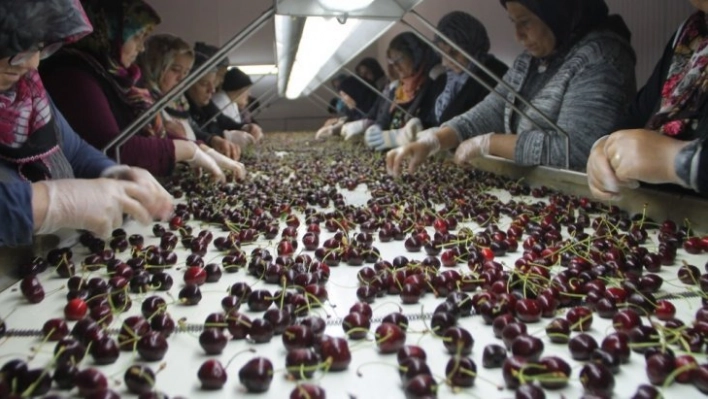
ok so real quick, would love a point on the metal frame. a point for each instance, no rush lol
(221, 110)
(488, 87)
(151, 112)
(377, 91)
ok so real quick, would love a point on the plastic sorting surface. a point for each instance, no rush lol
(370, 375)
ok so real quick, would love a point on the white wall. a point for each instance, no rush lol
(215, 21)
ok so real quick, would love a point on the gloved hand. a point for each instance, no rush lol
(382, 140)
(227, 164)
(161, 204)
(226, 147)
(473, 148)
(255, 131)
(239, 137)
(427, 145)
(96, 205)
(201, 160)
(324, 132)
(353, 129)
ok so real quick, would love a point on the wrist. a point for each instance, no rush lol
(185, 150)
(40, 204)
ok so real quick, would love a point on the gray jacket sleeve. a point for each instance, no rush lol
(485, 117)
(592, 104)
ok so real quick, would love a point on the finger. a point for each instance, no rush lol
(390, 157)
(414, 163)
(401, 154)
(135, 209)
(461, 154)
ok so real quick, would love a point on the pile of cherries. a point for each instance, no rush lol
(577, 259)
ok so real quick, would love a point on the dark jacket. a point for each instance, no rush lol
(471, 93)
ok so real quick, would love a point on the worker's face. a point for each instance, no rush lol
(531, 31)
(202, 91)
(220, 73)
(242, 99)
(401, 63)
(10, 74)
(134, 46)
(700, 4)
(449, 52)
(178, 70)
(365, 73)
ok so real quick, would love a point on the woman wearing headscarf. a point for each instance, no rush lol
(458, 91)
(665, 130)
(232, 100)
(358, 99)
(370, 70)
(398, 122)
(94, 83)
(50, 179)
(167, 60)
(577, 69)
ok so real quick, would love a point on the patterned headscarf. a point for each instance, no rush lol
(26, 137)
(686, 87)
(115, 22)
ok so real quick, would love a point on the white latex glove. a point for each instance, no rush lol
(204, 161)
(427, 145)
(255, 131)
(324, 132)
(356, 128)
(602, 179)
(227, 164)
(239, 137)
(161, 204)
(96, 205)
(473, 148)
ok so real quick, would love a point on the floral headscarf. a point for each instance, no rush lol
(686, 87)
(27, 137)
(115, 22)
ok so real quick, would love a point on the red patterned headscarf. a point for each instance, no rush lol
(686, 87)
(24, 25)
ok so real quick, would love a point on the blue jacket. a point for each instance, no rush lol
(16, 222)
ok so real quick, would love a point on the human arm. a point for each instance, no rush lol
(82, 101)
(85, 160)
(593, 101)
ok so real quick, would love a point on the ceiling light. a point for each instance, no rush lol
(345, 5)
(258, 70)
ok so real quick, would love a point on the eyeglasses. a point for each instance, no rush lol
(44, 52)
(397, 60)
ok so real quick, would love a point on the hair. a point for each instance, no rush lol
(160, 52)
